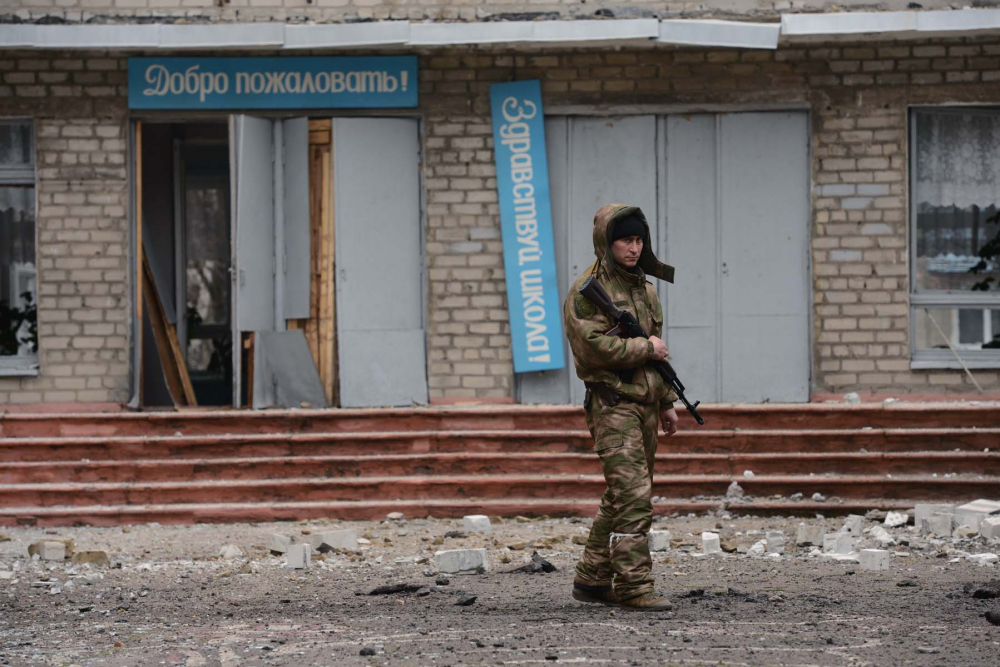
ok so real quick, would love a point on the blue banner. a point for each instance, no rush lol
(272, 83)
(526, 224)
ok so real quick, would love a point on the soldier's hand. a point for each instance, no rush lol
(659, 349)
(668, 420)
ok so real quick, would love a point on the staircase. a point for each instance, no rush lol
(117, 468)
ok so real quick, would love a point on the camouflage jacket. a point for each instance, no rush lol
(599, 357)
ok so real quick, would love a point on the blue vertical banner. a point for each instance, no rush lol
(526, 224)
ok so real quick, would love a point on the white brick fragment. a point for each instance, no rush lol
(775, 542)
(926, 511)
(894, 519)
(983, 559)
(809, 535)
(299, 556)
(659, 540)
(990, 528)
(874, 559)
(981, 508)
(710, 543)
(52, 551)
(854, 525)
(345, 540)
(278, 543)
(758, 549)
(838, 543)
(937, 524)
(882, 536)
(477, 523)
(230, 551)
(462, 561)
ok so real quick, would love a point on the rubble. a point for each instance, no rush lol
(990, 528)
(462, 561)
(278, 544)
(983, 559)
(854, 525)
(99, 558)
(659, 540)
(734, 490)
(809, 535)
(937, 524)
(536, 566)
(344, 540)
(925, 511)
(775, 541)
(394, 516)
(67, 543)
(758, 549)
(840, 544)
(874, 559)
(299, 557)
(49, 550)
(230, 551)
(710, 543)
(477, 523)
(882, 536)
(896, 519)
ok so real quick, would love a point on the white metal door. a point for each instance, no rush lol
(380, 311)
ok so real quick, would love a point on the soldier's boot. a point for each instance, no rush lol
(648, 602)
(600, 594)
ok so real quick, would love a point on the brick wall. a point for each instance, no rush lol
(82, 224)
(416, 10)
(859, 96)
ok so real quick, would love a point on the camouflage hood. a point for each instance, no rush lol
(604, 221)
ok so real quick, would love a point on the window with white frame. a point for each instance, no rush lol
(18, 272)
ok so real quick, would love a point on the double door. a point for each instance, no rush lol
(727, 199)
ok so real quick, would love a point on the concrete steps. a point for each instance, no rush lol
(353, 464)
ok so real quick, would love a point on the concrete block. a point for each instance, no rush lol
(476, 523)
(299, 556)
(882, 536)
(710, 543)
(52, 551)
(775, 542)
(990, 528)
(809, 535)
(345, 540)
(758, 549)
(926, 511)
(659, 540)
(983, 559)
(874, 559)
(278, 544)
(838, 543)
(937, 524)
(895, 519)
(854, 525)
(981, 508)
(462, 561)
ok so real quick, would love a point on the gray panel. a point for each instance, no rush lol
(553, 386)
(691, 311)
(381, 339)
(297, 256)
(765, 215)
(254, 225)
(284, 372)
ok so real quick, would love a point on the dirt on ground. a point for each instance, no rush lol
(168, 598)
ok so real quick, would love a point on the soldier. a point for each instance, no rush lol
(626, 399)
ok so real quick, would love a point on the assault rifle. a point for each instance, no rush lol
(626, 326)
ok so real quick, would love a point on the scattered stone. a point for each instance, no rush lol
(758, 549)
(907, 583)
(882, 536)
(278, 544)
(537, 565)
(394, 516)
(343, 540)
(809, 535)
(49, 550)
(363, 541)
(928, 649)
(894, 519)
(795, 496)
(4, 537)
(455, 535)
(748, 474)
(819, 497)
(710, 543)
(67, 543)
(840, 544)
(366, 652)
(734, 490)
(986, 593)
(230, 551)
(99, 558)
(442, 581)
(927, 510)
(993, 617)
(854, 525)
(937, 524)
(517, 546)
(477, 523)
(462, 561)
(983, 559)
(299, 556)
(582, 539)
(775, 541)
(659, 540)
(964, 532)
(395, 589)
(874, 559)
(466, 601)
(852, 398)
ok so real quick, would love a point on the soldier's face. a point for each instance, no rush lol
(626, 251)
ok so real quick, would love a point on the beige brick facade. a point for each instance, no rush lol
(858, 96)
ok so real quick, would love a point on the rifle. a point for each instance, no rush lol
(626, 326)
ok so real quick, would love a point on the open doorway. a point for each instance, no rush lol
(186, 248)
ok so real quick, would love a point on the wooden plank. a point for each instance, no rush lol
(172, 361)
(328, 308)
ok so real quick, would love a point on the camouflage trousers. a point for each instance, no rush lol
(617, 551)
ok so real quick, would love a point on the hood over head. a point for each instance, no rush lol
(604, 221)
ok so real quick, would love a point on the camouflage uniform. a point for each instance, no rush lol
(625, 434)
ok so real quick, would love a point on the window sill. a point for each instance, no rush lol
(982, 364)
(19, 367)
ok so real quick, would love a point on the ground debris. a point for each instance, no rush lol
(466, 601)
(393, 589)
(536, 566)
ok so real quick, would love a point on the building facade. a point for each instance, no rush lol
(823, 198)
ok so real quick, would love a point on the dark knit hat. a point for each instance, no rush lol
(626, 227)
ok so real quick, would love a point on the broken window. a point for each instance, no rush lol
(955, 206)
(18, 271)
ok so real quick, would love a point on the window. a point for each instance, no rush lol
(955, 261)
(18, 272)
